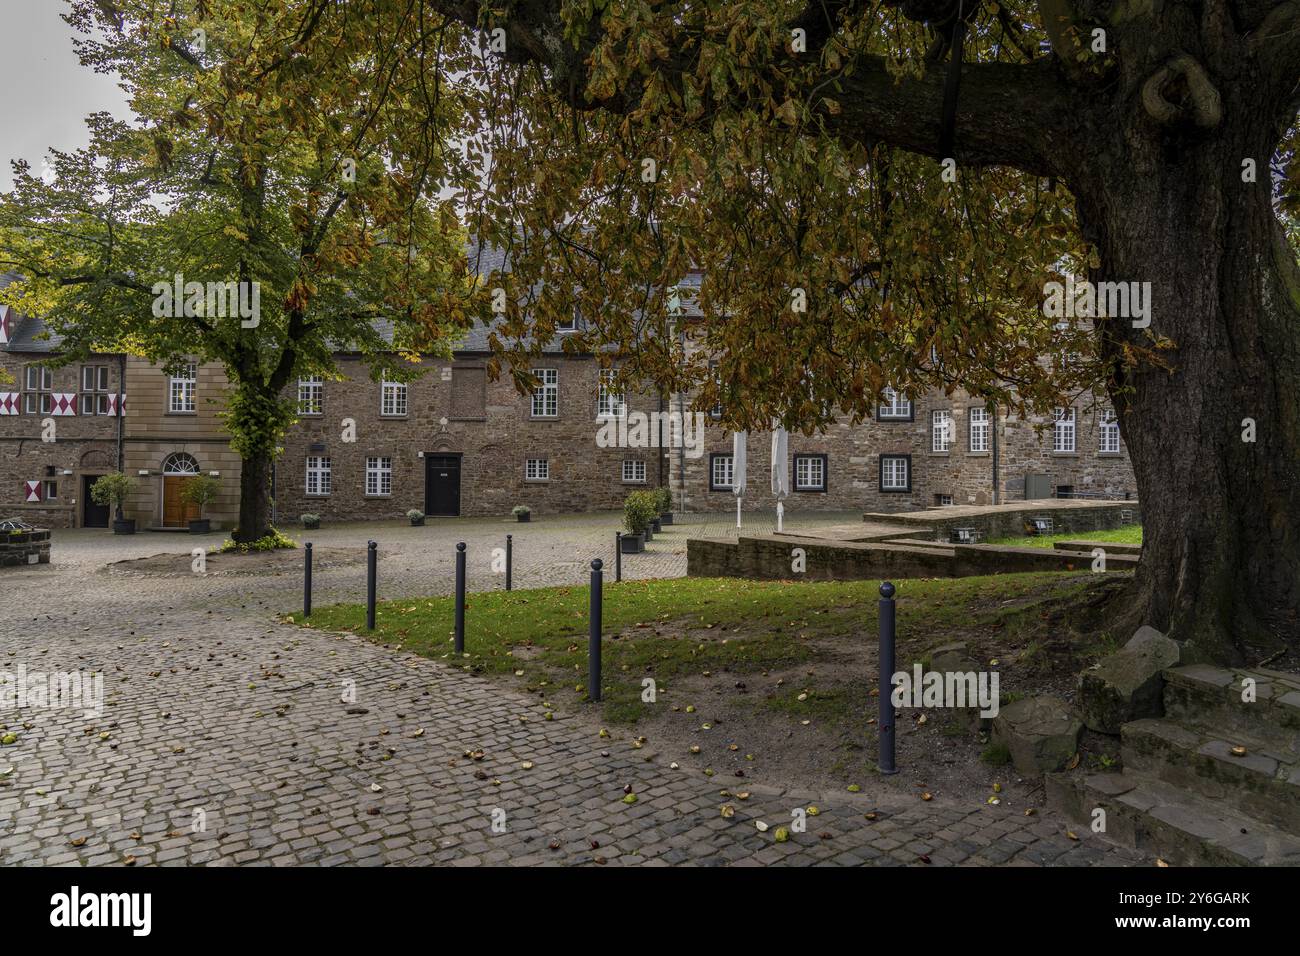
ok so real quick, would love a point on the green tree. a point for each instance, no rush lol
(796, 152)
(272, 147)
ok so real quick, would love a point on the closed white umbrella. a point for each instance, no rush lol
(780, 471)
(738, 468)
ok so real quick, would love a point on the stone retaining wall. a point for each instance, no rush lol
(772, 557)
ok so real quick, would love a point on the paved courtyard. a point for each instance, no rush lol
(226, 738)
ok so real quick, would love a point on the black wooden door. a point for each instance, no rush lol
(92, 515)
(442, 485)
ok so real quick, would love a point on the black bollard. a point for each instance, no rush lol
(618, 556)
(372, 568)
(593, 642)
(509, 558)
(306, 581)
(460, 598)
(886, 713)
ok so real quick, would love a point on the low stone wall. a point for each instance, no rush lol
(1068, 516)
(24, 547)
(772, 557)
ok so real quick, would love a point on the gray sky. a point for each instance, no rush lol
(48, 93)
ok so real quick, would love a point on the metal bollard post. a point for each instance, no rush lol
(460, 598)
(885, 719)
(593, 641)
(372, 567)
(618, 555)
(306, 581)
(509, 558)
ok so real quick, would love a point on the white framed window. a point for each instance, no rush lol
(720, 472)
(180, 389)
(979, 429)
(895, 472)
(37, 399)
(379, 475)
(896, 407)
(943, 501)
(311, 395)
(319, 476)
(51, 491)
(809, 472)
(392, 401)
(940, 429)
(94, 390)
(1109, 433)
(568, 325)
(633, 471)
(537, 469)
(1063, 430)
(609, 401)
(546, 396)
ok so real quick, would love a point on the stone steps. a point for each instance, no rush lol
(1178, 826)
(1210, 698)
(1264, 782)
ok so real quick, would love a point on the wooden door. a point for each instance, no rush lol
(177, 513)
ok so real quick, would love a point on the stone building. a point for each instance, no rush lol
(454, 443)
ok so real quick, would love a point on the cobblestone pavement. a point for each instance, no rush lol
(224, 739)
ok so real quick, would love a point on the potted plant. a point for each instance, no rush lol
(417, 517)
(310, 522)
(522, 512)
(113, 489)
(664, 500)
(200, 490)
(637, 512)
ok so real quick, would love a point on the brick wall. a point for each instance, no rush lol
(83, 445)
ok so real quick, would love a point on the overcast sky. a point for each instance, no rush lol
(47, 93)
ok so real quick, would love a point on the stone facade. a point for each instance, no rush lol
(381, 453)
(851, 470)
(48, 454)
(453, 410)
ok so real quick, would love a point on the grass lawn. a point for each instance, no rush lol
(679, 628)
(1129, 534)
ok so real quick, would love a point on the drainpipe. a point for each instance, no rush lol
(660, 449)
(681, 445)
(121, 412)
(993, 430)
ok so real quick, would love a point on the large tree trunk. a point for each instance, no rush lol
(1220, 564)
(254, 499)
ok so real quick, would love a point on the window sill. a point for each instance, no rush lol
(810, 491)
(1110, 454)
(391, 418)
(940, 454)
(978, 454)
(389, 495)
(895, 491)
(1065, 454)
(537, 481)
(544, 418)
(183, 414)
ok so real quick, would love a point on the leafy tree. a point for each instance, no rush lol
(272, 146)
(795, 152)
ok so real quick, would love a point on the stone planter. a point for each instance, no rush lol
(123, 526)
(417, 522)
(25, 547)
(200, 526)
(632, 543)
(523, 518)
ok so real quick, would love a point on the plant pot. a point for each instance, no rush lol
(417, 522)
(632, 543)
(200, 526)
(648, 534)
(524, 518)
(123, 526)
(311, 525)
(656, 527)
(666, 518)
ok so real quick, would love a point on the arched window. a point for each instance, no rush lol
(180, 464)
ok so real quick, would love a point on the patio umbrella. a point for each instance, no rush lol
(780, 471)
(738, 468)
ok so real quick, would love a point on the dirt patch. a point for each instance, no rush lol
(813, 726)
(257, 563)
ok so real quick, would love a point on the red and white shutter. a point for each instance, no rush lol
(6, 324)
(114, 408)
(64, 403)
(32, 492)
(9, 403)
